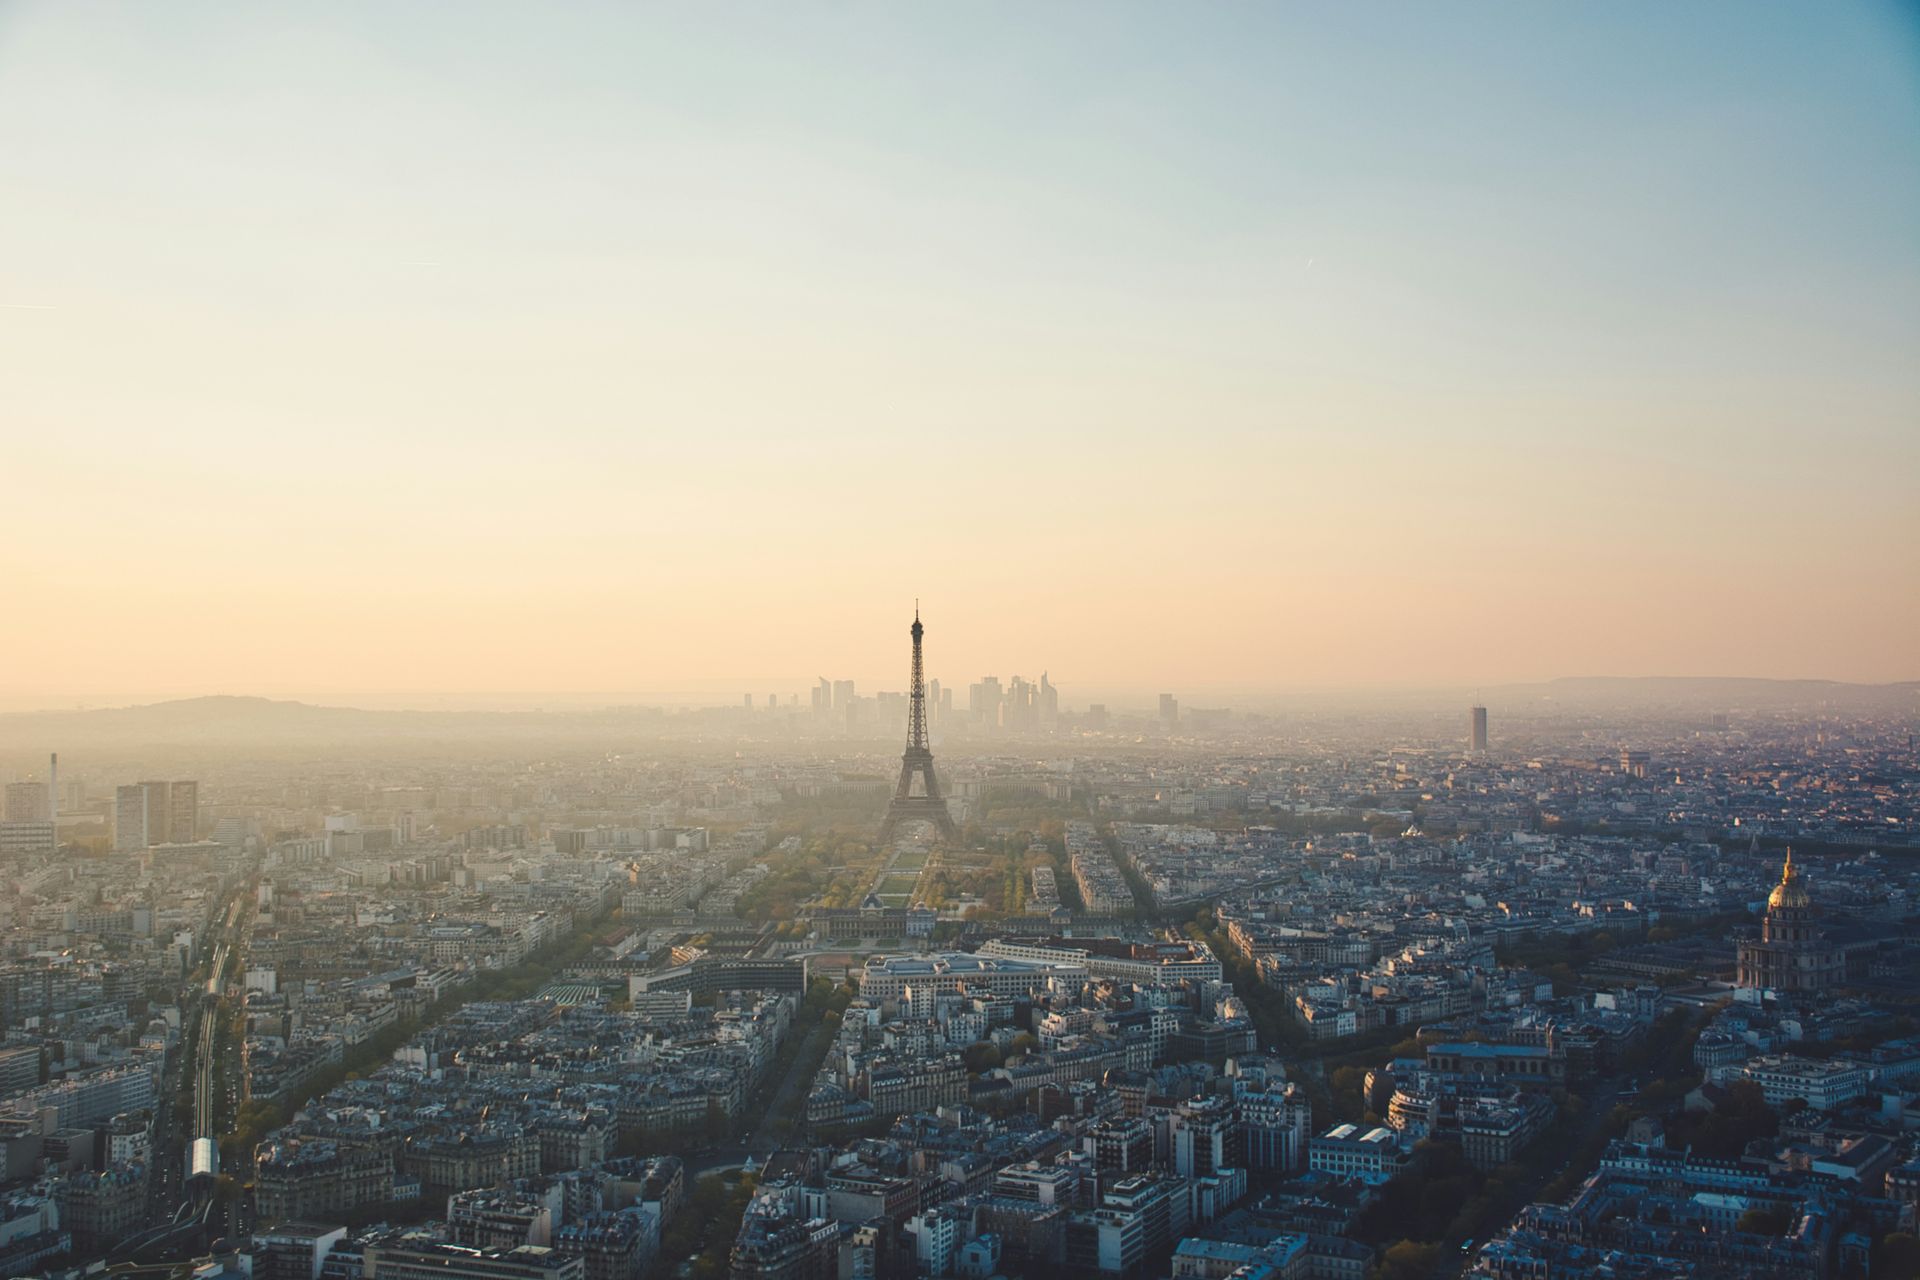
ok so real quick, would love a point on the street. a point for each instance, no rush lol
(773, 1128)
(180, 1212)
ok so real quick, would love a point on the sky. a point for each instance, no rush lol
(399, 350)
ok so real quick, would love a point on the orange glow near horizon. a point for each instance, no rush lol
(1309, 352)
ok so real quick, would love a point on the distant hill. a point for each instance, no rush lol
(244, 721)
(1725, 693)
(215, 708)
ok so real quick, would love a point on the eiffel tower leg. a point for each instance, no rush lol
(929, 807)
(942, 820)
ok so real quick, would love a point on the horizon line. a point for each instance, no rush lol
(702, 698)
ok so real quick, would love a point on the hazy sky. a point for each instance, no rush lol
(523, 346)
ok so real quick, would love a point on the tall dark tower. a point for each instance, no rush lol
(928, 806)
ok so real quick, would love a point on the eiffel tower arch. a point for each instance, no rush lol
(917, 761)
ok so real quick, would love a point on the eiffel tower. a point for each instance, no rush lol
(918, 759)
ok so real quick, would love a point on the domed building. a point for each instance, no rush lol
(1793, 952)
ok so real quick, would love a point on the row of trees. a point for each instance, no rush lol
(1740, 1117)
(1272, 1016)
(706, 1226)
(1443, 1199)
(837, 860)
(257, 1118)
(832, 866)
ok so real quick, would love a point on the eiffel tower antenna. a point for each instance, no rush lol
(917, 759)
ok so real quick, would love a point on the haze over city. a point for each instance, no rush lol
(959, 642)
(609, 348)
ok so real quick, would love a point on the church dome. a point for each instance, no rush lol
(1792, 889)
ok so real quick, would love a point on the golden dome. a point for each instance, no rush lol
(1791, 891)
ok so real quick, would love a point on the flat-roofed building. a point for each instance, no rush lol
(1347, 1151)
(423, 1259)
(884, 979)
(1822, 1083)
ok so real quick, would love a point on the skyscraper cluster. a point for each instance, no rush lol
(1019, 707)
(837, 706)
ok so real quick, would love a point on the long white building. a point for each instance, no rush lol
(884, 979)
(1109, 958)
